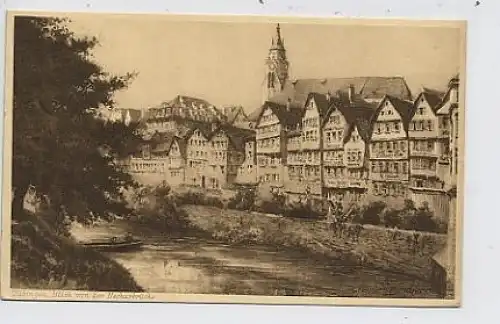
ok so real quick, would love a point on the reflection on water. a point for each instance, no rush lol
(192, 266)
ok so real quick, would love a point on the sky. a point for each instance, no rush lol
(223, 62)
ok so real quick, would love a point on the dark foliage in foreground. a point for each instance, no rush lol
(59, 146)
(43, 260)
(67, 154)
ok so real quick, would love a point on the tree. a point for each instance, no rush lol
(424, 219)
(371, 213)
(59, 145)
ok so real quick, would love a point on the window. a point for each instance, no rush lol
(419, 183)
(421, 111)
(396, 126)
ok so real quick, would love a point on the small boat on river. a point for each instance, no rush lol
(115, 244)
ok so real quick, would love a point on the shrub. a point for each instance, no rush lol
(371, 213)
(312, 210)
(392, 218)
(276, 205)
(244, 199)
(213, 201)
(164, 214)
(420, 219)
(423, 219)
(197, 198)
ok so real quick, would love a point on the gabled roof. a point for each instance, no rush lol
(237, 136)
(365, 88)
(321, 100)
(233, 112)
(254, 115)
(433, 97)
(453, 83)
(163, 141)
(181, 141)
(288, 114)
(362, 121)
(405, 109)
(357, 114)
(204, 128)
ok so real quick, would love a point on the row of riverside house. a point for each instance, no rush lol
(344, 139)
(189, 142)
(343, 146)
(341, 139)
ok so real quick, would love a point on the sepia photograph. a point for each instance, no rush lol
(233, 159)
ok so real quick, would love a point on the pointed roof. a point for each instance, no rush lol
(237, 136)
(371, 88)
(204, 128)
(277, 43)
(288, 114)
(321, 100)
(233, 112)
(357, 114)
(405, 109)
(433, 97)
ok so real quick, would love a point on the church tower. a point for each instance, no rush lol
(276, 67)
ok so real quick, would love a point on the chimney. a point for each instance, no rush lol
(328, 96)
(351, 93)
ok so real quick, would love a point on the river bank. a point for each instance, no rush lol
(44, 260)
(377, 247)
(201, 265)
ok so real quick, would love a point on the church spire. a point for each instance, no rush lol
(277, 42)
(276, 66)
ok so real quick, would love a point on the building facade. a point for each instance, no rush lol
(339, 139)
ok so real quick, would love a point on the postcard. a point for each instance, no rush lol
(233, 159)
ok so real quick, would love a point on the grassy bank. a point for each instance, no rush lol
(43, 260)
(376, 247)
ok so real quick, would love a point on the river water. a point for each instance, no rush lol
(200, 266)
